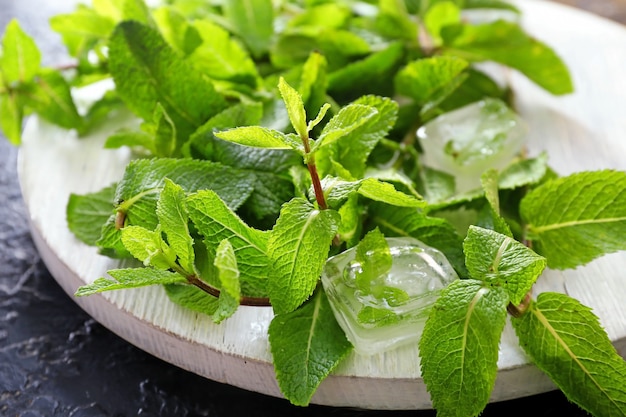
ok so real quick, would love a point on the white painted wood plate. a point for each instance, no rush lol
(586, 130)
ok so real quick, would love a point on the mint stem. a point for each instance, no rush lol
(315, 178)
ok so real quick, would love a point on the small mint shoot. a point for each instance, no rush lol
(230, 288)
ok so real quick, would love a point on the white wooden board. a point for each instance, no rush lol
(586, 130)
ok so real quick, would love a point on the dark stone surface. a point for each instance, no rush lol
(55, 360)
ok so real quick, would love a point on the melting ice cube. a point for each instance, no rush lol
(392, 308)
(470, 140)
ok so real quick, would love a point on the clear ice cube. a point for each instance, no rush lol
(470, 140)
(393, 310)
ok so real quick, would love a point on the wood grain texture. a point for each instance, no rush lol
(581, 131)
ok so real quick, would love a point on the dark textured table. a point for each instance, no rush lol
(55, 360)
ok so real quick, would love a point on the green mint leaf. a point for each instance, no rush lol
(566, 341)
(177, 30)
(138, 191)
(524, 172)
(490, 4)
(393, 21)
(506, 43)
(221, 57)
(87, 213)
(440, 15)
(253, 21)
(173, 217)
(438, 186)
(318, 14)
(11, 117)
(138, 11)
(215, 221)
(490, 185)
(298, 247)
(312, 88)
(130, 278)
(351, 152)
(131, 138)
(148, 246)
(433, 231)
(83, 29)
(424, 78)
(385, 192)
(260, 137)
(370, 75)
(192, 298)
(294, 46)
(349, 118)
(20, 58)
(295, 107)
(320, 116)
(270, 167)
(306, 345)
(459, 347)
(228, 273)
(500, 260)
(50, 97)
(201, 143)
(145, 69)
(575, 219)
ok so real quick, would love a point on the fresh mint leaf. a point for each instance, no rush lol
(11, 117)
(490, 4)
(525, 172)
(145, 69)
(349, 118)
(506, 43)
(201, 142)
(215, 221)
(228, 273)
(575, 219)
(394, 21)
(260, 137)
(83, 29)
(385, 192)
(351, 152)
(138, 191)
(437, 186)
(131, 138)
(253, 21)
(222, 57)
(177, 30)
(424, 78)
(320, 14)
(306, 345)
(351, 225)
(148, 247)
(340, 46)
(20, 58)
(295, 108)
(49, 95)
(313, 84)
(501, 260)
(370, 75)
(173, 218)
(566, 341)
(130, 278)
(298, 247)
(87, 213)
(490, 185)
(459, 346)
(373, 254)
(440, 15)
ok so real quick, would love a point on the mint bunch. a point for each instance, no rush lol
(274, 136)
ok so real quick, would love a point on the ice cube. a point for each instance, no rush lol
(392, 310)
(470, 140)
